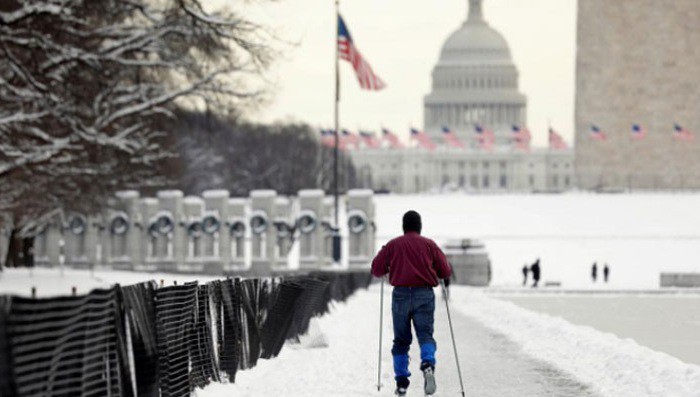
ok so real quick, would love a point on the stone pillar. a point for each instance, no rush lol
(308, 222)
(361, 233)
(171, 210)
(75, 236)
(193, 209)
(47, 244)
(5, 232)
(283, 233)
(263, 234)
(236, 233)
(216, 244)
(150, 235)
(55, 242)
(122, 238)
(327, 220)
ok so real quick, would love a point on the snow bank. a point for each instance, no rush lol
(615, 367)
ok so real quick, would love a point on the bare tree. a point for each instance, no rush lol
(86, 85)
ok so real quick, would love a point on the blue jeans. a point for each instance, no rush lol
(417, 305)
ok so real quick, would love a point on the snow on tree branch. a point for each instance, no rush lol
(86, 87)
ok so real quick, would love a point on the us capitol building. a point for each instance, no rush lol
(474, 82)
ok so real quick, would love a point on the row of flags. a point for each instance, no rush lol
(638, 132)
(485, 139)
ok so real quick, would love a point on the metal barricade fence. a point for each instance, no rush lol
(144, 341)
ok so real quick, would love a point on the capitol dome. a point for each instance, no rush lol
(475, 41)
(474, 82)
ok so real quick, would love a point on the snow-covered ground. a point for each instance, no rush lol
(644, 318)
(504, 351)
(639, 235)
(56, 282)
(614, 366)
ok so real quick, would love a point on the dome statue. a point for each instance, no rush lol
(474, 82)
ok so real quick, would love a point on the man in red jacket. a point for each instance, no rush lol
(414, 264)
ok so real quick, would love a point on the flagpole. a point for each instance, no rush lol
(336, 232)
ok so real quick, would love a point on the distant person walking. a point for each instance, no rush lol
(594, 271)
(606, 273)
(414, 264)
(535, 269)
(525, 271)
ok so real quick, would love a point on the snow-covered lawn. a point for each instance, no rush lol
(639, 235)
(56, 282)
(616, 367)
(644, 318)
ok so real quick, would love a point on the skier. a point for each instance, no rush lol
(525, 270)
(535, 269)
(606, 273)
(414, 264)
(594, 271)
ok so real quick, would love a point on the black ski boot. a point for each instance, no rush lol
(429, 375)
(401, 386)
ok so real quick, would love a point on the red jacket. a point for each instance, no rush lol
(411, 261)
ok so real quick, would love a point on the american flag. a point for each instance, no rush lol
(556, 142)
(638, 132)
(450, 138)
(522, 137)
(349, 139)
(597, 134)
(392, 139)
(485, 137)
(682, 134)
(369, 139)
(422, 139)
(347, 51)
(328, 138)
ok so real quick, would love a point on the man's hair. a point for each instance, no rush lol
(412, 222)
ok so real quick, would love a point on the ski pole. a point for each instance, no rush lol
(452, 333)
(381, 318)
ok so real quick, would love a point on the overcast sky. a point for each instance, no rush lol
(402, 40)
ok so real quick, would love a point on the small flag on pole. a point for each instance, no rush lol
(346, 50)
(422, 139)
(485, 137)
(597, 134)
(392, 139)
(682, 134)
(522, 137)
(638, 132)
(450, 138)
(327, 138)
(556, 142)
(369, 139)
(349, 140)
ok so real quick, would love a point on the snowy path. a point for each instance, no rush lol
(492, 364)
